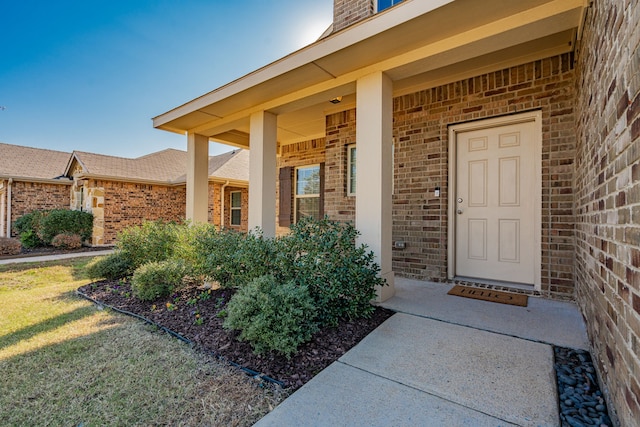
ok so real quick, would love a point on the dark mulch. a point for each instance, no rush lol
(181, 314)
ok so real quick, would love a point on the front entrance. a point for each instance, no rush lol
(495, 206)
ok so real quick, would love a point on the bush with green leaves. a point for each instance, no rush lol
(158, 279)
(149, 242)
(272, 316)
(111, 267)
(60, 221)
(340, 275)
(27, 227)
(234, 259)
(38, 228)
(319, 254)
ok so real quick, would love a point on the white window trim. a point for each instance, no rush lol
(236, 208)
(350, 193)
(295, 190)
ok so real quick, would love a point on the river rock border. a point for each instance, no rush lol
(581, 401)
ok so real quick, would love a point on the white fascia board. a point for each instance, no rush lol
(307, 55)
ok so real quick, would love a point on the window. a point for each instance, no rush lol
(307, 192)
(351, 170)
(236, 207)
(385, 4)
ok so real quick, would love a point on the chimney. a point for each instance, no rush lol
(347, 12)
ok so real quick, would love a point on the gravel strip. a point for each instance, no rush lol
(581, 401)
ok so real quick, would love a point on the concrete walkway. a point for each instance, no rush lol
(443, 360)
(43, 258)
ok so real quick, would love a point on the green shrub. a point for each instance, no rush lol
(61, 221)
(233, 258)
(27, 227)
(158, 279)
(341, 276)
(10, 246)
(319, 254)
(150, 242)
(67, 241)
(38, 228)
(112, 267)
(272, 316)
(186, 247)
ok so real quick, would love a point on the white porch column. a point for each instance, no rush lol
(262, 172)
(374, 178)
(197, 178)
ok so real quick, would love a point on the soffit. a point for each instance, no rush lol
(454, 39)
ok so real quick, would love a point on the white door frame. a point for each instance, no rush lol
(454, 130)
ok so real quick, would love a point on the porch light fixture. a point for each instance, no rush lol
(336, 100)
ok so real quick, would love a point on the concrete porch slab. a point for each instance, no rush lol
(343, 395)
(546, 321)
(504, 377)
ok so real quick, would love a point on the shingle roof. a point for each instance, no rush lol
(26, 162)
(233, 165)
(166, 166)
(236, 167)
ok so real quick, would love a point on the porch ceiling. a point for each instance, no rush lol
(420, 44)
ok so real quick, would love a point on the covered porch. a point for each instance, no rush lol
(421, 45)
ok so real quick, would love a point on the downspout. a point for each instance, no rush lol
(222, 204)
(9, 207)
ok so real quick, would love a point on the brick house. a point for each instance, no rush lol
(120, 192)
(30, 179)
(493, 141)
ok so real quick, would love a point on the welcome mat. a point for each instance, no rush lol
(489, 295)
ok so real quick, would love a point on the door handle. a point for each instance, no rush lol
(459, 211)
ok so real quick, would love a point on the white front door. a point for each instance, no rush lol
(496, 192)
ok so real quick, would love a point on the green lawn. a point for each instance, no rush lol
(64, 362)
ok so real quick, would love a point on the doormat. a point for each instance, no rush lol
(489, 295)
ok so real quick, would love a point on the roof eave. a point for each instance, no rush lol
(58, 181)
(304, 56)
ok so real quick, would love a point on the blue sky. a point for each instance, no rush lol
(89, 75)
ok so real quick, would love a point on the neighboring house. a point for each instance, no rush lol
(120, 192)
(30, 179)
(492, 140)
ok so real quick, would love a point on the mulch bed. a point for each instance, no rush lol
(193, 313)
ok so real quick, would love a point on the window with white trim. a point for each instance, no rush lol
(236, 207)
(351, 170)
(386, 4)
(307, 192)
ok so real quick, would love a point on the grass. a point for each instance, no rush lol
(65, 362)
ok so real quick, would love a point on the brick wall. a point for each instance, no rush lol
(608, 196)
(421, 123)
(30, 196)
(347, 12)
(215, 206)
(341, 132)
(294, 155)
(128, 204)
